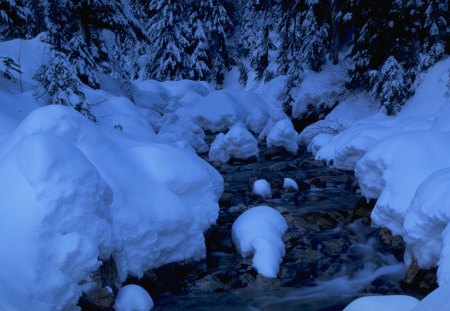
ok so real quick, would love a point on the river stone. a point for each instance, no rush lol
(101, 295)
(390, 243)
(363, 209)
(422, 280)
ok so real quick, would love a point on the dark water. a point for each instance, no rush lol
(331, 258)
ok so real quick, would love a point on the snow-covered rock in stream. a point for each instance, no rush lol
(237, 143)
(133, 298)
(284, 135)
(262, 188)
(290, 184)
(258, 231)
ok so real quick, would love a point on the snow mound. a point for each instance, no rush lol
(133, 298)
(54, 225)
(289, 183)
(93, 192)
(283, 134)
(258, 231)
(426, 224)
(238, 143)
(262, 188)
(395, 167)
(220, 110)
(385, 303)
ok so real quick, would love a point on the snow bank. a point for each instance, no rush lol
(258, 231)
(238, 143)
(395, 167)
(262, 188)
(402, 162)
(437, 300)
(92, 192)
(133, 298)
(283, 134)
(54, 222)
(385, 303)
(426, 224)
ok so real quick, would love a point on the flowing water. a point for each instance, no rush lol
(331, 257)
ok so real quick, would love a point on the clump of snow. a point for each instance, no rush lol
(290, 184)
(385, 303)
(262, 188)
(238, 143)
(133, 298)
(283, 134)
(258, 231)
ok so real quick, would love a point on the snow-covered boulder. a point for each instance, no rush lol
(262, 188)
(290, 184)
(237, 143)
(133, 298)
(385, 303)
(258, 231)
(284, 135)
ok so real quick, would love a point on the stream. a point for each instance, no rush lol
(332, 257)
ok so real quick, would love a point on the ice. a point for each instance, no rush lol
(289, 183)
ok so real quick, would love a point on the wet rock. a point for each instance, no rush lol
(319, 183)
(226, 199)
(303, 186)
(390, 243)
(363, 209)
(334, 247)
(252, 159)
(101, 296)
(274, 152)
(422, 280)
(282, 167)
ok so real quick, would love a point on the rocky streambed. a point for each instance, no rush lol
(332, 254)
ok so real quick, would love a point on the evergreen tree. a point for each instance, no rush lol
(218, 42)
(199, 48)
(315, 45)
(434, 32)
(15, 19)
(261, 48)
(168, 57)
(390, 87)
(61, 84)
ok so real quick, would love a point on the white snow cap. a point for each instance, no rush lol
(133, 298)
(262, 188)
(283, 134)
(258, 231)
(289, 183)
(383, 303)
(238, 143)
